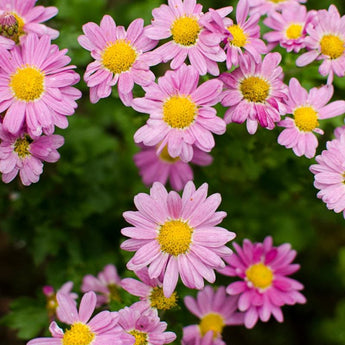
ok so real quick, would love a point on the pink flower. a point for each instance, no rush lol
(326, 42)
(307, 109)
(329, 173)
(106, 284)
(101, 329)
(35, 87)
(263, 7)
(20, 153)
(181, 113)
(119, 58)
(177, 236)
(215, 310)
(254, 92)
(181, 20)
(290, 27)
(162, 167)
(264, 286)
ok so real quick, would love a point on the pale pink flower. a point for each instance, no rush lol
(36, 86)
(307, 109)
(215, 310)
(163, 167)
(254, 92)
(181, 113)
(264, 7)
(181, 20)
(24, 155)
(177, 236)
(119, 58)
(264, 286)
(326, 41)
(106, 284)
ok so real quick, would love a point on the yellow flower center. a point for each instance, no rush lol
(113, 292)
(78, 334)
(306, 119)
(22, 146)
(27, 83)
(20, 30)
(52, 304)
(179, 111)
(294, 31)
(119, 56)
(140, 337)
(332, 46)
(277, 1)
(255, 89)
(260, 275)
(212, 322)
(239, 37)
(159, 301)
(175, 237)
(164, 156)
(185, 30)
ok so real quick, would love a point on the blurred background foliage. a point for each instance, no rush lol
(69, 223)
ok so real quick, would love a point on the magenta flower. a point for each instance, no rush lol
(263, 7)
(119, 58)
(326, 41)
(20, 153)
(329, 173)
(181, 20)
(254, 92)
(177, 236)
(215, 310)
(35, 87)
(307, 109)
(181, 113)
(264, 286)
(106, 284)
(162, 167)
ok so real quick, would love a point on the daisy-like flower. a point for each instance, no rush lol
(329, 173)
(102, 329)
(107, 284)
(264, 7)
(254, 92)
(177, 236)
(290, 27)
(215, 310)
(307, 109)
(326, 41)
(180, 20)
(119, 58)
(144, 325)
(163, 167)
(181, 113)
(20, 153)
(36, 86)
(149, 290)
(264, 286)
(28, 18)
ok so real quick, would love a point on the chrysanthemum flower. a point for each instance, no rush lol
(307, 109)
(107, 284)
(35, 86)
(119, 58)
(264, 7)
(326, 41)
(20, 153)
(177, 236)
(290, 27)
(181, 113)
(144, 325)
(180, 19)
(163, 167)
(215, 310)
(329, 173)
(255, 93)
(264, 286)
(102, 329)
(28, 18)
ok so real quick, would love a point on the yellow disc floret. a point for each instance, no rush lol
(175, 237)
(140, 337)
(255, 89)
(78, 334)
(212, 322)
(185, 30)
(239, 37)
(294, 31)
(277, 1)
(27, 83)
(332, 46)
(306, 119)
(20, 30)
(260, 275)
(119, 56)
(159, 301)
(164, 156)
(22, 146)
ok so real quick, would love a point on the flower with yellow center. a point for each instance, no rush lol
(260, 275)
(255, 89)
(185, 31)
(306, 118)
(294, 31)
(22, 146)
(332, 46)
(160, 302)
(140, 337)
(239, 38)
(212, 322)
(78, 334)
